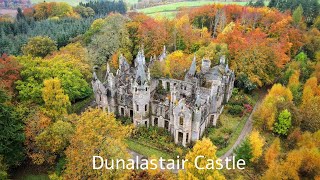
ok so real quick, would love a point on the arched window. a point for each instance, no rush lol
(181, 121)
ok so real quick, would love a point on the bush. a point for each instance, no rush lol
(218, 141)
(239, 103)
(235, 110)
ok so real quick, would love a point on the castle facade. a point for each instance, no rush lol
(183, 107)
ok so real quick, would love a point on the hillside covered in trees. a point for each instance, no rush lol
(48, 52)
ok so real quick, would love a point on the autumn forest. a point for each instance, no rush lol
(50, 127)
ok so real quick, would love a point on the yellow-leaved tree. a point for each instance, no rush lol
(204, 148)
(97, 133)
(265, 116)
(301, 162)
(257, 143)
(176, 64)
(272, 153)
(56, 102)
(55, 138)
(36, 123)
(310, 105)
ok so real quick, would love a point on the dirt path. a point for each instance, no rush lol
(245, 131)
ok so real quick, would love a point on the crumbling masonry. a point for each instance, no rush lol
(183, 107)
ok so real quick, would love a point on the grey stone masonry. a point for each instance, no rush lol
(184, 107)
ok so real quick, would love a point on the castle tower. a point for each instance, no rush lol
(192, 71)
(141, 94)
(164, 54)
(140, 59)
(196, 119)
(99, 92)
(110, 93)
(182, 120)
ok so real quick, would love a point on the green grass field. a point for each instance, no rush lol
(146, 151)
(169, 10)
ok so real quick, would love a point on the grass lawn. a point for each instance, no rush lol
(234, 136)
(229, 127)
(169, 10)
(146, 150)
(80, 106)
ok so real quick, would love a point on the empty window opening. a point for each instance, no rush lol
(166, 125)
(155, 122)
(122, 111)
(131, 113)
(181, 121)
(180, 137)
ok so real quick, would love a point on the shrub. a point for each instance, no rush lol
(235, 110)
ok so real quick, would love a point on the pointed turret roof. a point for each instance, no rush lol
(223, 59)
(108, 68)
(198, 100)
(193, 67)
(95, 77)
(164, 54)
(123, 64)
(140, 59)
(141, 74)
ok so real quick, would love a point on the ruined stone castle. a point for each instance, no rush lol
(183, 107)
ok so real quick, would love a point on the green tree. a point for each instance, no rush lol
(244, 151)
(11, 134)
(284, 123)
(20, 15)
(36, 70)
(297, 15)
(3, 169)
(110, 37)
(39, 46)
(311, 8)
(84, 11)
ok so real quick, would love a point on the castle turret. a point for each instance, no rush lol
(141, 95)
(223, 59)
(192, 71)
(123, 64)
(164, 54)
(110, 86)
(99, 92)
